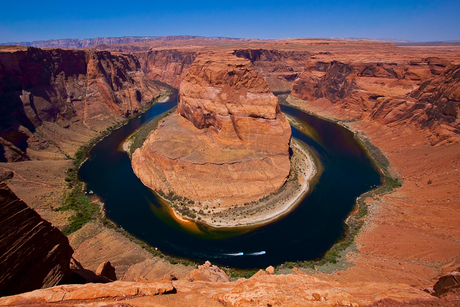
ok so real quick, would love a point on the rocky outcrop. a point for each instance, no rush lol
(441, 96)
(208, 272)
(84, 88)
(33, 253)
(260, 290)
(228, 143)
(447, 283)
(90, 294)
(422, 92)
(106, 270)
(279, 68)
(169, 66)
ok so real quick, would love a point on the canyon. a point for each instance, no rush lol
(404, 101)
(68, 90)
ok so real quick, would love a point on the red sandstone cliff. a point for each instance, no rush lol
(169, 66)
(33, 253)
(279, 68)
(425, 92)
(229, 142)
(87, 88)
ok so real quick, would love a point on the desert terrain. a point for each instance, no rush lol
(402, 100)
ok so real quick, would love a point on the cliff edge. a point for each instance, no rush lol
(33, 253)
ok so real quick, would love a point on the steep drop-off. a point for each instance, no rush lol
(424, 93)
(33, 253)
(88, 89)
(228, 143)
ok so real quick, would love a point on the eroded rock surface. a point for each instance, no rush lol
(423, 92)
(73, 90)
(227, 144)
(259, 290)
(33, 253)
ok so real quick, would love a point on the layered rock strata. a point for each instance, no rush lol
(421, 92)
(73, 89)
(228, 143)
(279, 68)
(33, 253)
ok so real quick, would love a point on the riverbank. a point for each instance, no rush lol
(406, 234)
(305, 169)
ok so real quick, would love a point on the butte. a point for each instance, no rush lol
(226, 145)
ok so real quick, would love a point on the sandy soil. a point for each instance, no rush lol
(41, 185)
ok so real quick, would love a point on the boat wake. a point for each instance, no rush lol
(245, 254)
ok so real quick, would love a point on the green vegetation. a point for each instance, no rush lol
(179, 204)
(85, 210)
(142, 134)
(235, 274)
(356, 220)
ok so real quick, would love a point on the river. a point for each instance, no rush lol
(304, 234)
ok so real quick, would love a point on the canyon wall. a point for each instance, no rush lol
(169, 66)
(90, 89)
(424, 92)
(33, 253)
(279, 68)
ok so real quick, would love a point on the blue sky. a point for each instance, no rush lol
(29, 20)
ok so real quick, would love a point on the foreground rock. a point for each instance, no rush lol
(208, 272)
(227, 145)
(33, 253)
(94, 245)
(260, 290)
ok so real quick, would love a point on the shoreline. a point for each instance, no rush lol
(129, 141)
(304, 170)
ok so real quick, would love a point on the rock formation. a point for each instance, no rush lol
(170, 66)
(279, 68)
(260, 290)
(208, 272)
(106, 270)
(228, 143)
(424, 92)
(72, 88)
(33, 253)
